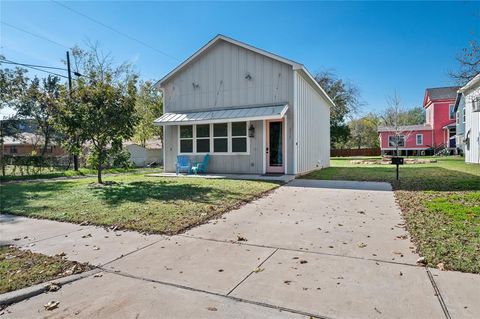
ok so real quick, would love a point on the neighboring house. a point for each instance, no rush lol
(471, 96)
(143, 156)
(435, 136)
(27, 144)
(252, 111)
(460, 124)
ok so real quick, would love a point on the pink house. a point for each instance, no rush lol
(436, 135)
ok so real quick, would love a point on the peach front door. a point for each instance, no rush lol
(275, 147)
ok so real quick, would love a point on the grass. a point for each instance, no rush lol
(48, 173)
(440, 202)
(20, 268)
(131, 201)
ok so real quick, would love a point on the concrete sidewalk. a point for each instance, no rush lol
(310, 248)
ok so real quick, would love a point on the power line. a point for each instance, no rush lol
(35, 68)
(114, 30)
(31, 65)
(32, 34)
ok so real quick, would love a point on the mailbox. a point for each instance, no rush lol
(397, 160)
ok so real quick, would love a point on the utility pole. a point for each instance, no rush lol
(75, 157)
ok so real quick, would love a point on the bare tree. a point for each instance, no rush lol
(394, 119)
(469, 63)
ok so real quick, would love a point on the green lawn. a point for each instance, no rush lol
(131, 201)
(47, 173)
(440, 202)
(20, 268)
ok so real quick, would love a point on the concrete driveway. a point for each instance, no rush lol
(324, 249)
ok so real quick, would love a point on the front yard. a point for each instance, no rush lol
(131, 201)
(440, 202)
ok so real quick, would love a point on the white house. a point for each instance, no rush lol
(253, 111)
(471, 97)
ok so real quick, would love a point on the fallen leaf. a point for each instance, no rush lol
(53, 286)
(87, 236)
(96, 248)
(441, 266)
(421, 260)
(241, 238)
(258, 269)
(97, 275)
(287, 282)
(51, 305)
(212, 309)
(362, 245)
(303, 261)
(84, 223)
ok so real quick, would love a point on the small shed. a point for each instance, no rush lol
(143, 156)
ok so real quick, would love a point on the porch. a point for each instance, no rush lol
(253, 177)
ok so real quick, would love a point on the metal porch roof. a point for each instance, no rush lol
(224, 115)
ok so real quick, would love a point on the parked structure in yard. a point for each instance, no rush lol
(252, 111)
(436, 136)
(27, 144)
(469, 101)
(143, 156)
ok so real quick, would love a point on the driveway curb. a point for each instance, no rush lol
(28, 292)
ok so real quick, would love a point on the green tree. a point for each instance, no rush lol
(364, 132)
(101, 110)
(148, 107)
(346, 97)
(38, 101)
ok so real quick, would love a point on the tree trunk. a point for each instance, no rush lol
(2, 160)
(99, 169)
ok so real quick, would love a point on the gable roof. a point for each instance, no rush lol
(220, 37)
(471, 83)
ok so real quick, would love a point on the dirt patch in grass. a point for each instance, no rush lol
(445, 227)
(22, 268)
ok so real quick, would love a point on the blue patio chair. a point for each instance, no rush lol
(201, 167)
(183, 163)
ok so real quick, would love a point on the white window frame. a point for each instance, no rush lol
(211, 137)
(464, 113)
(397, 136)
(458, 117)
(450, 107)
(187, 138)
(416, 139)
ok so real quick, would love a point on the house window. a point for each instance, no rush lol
(452, 111)
(458, 117)
(203, 138)
(464, 115)
(13, 149)
(393, 140)
(239, 137)
(186, 139)
(220, 138)
(419, 139)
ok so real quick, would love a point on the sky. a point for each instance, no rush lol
(381, 47)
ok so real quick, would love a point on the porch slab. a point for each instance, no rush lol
(207, 265)
(115, 296)
(342, 287)
(278, 178)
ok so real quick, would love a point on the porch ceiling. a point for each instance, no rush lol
(224, 115)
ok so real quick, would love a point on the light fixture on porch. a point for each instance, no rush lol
(251, 131)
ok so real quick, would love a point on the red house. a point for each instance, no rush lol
(435, 136)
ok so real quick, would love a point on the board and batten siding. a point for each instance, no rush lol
(218, 78)
(251, 163)
(472, 124)
(312, 125)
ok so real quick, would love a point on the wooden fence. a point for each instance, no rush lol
(355, 152)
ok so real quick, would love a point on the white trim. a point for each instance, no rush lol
(163, 146)
(285, 156)
(404, 149)
(416, 139)
(264, 152)
(295, 122)
(211, 138)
